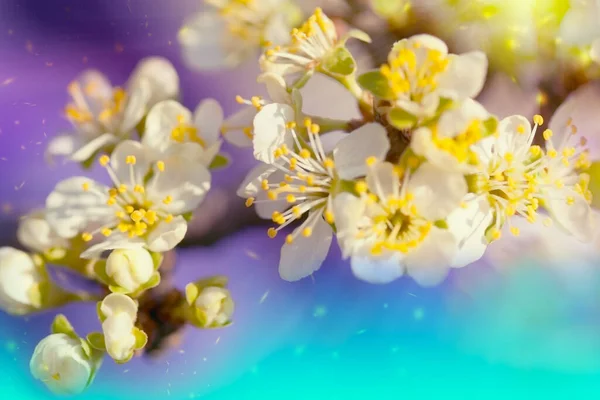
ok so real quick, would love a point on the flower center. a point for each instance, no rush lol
(460, 145)
(185, 132)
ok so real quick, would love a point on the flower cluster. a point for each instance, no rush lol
(422, 184)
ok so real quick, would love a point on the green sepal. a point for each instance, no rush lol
(153, 282)
(100, 272)
(339, 63)
(377, 84)
(157, 259)
(141, 339)
(220, 161)
(442, 224)
(303, 80)
(117, 289)
(126, 360)
(101, 315)
(594, 185)
(35, 294)
(96, 340)
(401, 119)
(188, 216)
(491, 125)
(217, 280)
(191, 293)
(55, 254)
(87, 164)
(62, 325)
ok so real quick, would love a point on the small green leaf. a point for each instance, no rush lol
(188, 216)
(62, 325)
(153, 282)
(117, 289)
(96, 340)
(491, 125)
(339, 63)
(191, 293)
(157, 259)
(100, 271)
(594, 186)
(377, 84)
(140, 338)
(220, 161)
(401, 119)
(358, 34)
(442, 224)
(86, 347)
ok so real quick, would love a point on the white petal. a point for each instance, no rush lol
(63, 145)
(595, 51)
(162, 119)
(456, 121)
(70, 209)
(165, 236)
(305, 254)
(88, 149)
(201, 41)
(270, 131)
(465, 75)
(113, 242)
(430, 42)
(92, 90)
(251, 185)
(351, 152)
(510, 139)
(123, 171)
(136, 106)
(162, 78)
(428, 263)
(115, 303)
(468, 225)
(265, 207)
(276, 87)
(234, 125)
(347, 211)
(378, 270)
(436, 191)
(208, 118)
(576, 219)
(118, 336)
(186, 182)
(277, 30)
(383, 180)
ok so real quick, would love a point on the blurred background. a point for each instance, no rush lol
(524, 322)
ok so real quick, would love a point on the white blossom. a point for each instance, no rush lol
(20, 282)
(130, 268)
(135, 211)
(61, 363)
(300, 178)
(103, 115)
(119, 314)
(396, 223)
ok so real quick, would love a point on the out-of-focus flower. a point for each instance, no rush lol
(517, 178)
(104, 115)
(301, 178)
(396, 12)
(397, 223)
(314, 46)
(134, 212)
(118, 314)
(131, 269)
(62, 363)
(169, 122)
(234, 30)
(21, 282)
(37, 235)
(595, 51)
(421, 77)
(209, 303)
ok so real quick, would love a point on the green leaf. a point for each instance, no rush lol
(140, 338)
(191, 293)
(339, 63)
(594, 185)
(157, 259)
(442, 224)
(96, 340)
(62, 325)
(401, 119)
(87, 349)
(377, 84)
(220, 161)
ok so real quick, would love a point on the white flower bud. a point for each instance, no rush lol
(19, 281)
(130, 268)
(215, 306)
(60, 361)
(37, 235)
(120, 313)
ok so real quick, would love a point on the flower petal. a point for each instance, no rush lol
(201, 41)
(576, 219)
(430, 42)
(116, 303)
(113, 242)
(428, 263)
(91, 90)
(348, 211)
(162, 119)
(124, 171)
(208, 118)
(436, 191)
(165, 236)
(270, 131)
(352, 151)
(595, 51)
(136, 106)
(63, 145)
(457, 120)
(162, 78)
(468, 225)
(465, 75)
(276, 87)
(251, 185)
(88, 149)
(305, 255)
(383, 180)
(509, 138)
(377, 270)
(233, 127)
(70, 208)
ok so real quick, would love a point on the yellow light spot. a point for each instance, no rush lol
(515, 231)
(85, 186)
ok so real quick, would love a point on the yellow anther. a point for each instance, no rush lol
(111, 201)
(123, 227)
(130, 160)
(239, 99)
(307, 232)
(249, 201)
(314, 128)
(289, 239)
(538, 119)
(547, 222)
(547, 134)
(167, 200)
(120, 214)
(570, 200)
(307, 122)
(106, 232)
(139, 189)
(264, 184)
(256, 103)
(272, 232)
(137, 216)
(248, 132)
(573, 129)
(129, 209)
(521, 129)
(272, 195)
(310, 180)
(104, 160)
(122, 188)
(509, 157)
(552, 153)
(86, 236)
(151, 217)
(169, 218)
(291, 125)
(328, 163)
(290, 198)
(569, 121)
(328, 216)
(305, 153)
(515, 231)
(370, 161)
(160, 165)
(85, 186)
(360, 187)
(496, 234)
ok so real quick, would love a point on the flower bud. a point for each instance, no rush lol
(37, 235)
(213, 307)
(20, 281)
(60, 361)
(118, 314)
(130, 268)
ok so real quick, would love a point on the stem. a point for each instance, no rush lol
(329, 124)
(364, 98)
